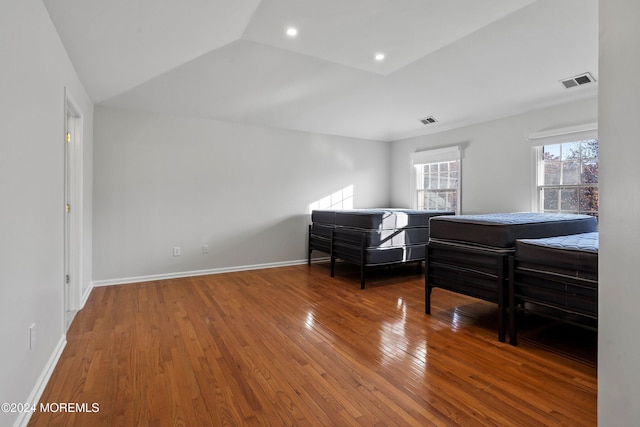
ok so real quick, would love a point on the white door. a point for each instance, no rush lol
(71, 281)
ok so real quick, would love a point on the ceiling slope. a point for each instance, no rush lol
(462, 61)
(118, 44)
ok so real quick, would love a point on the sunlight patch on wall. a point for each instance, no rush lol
(340, 200)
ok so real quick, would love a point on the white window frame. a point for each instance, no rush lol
(550, 137)
(447, 154)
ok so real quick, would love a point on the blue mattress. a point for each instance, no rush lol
(324, 217)
(385, 219)
(375, 219)
(574, 255)
(382, 238)
(503, 229)
(584, 242)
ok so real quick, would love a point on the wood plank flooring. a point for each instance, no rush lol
(293, 346)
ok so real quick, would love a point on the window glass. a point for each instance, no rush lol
(437, 185)
(568, 178)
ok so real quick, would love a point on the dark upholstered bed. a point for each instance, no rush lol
(371, 237)
(555, 277)
(468, 254)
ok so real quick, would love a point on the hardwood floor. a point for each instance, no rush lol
(292, 346)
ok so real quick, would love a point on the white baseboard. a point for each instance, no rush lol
(177, 275)
(36, 393)
(38, 389)
(85, 296)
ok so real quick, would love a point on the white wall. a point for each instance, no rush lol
(619, 281)
(163, 181)
(153, 193)
(497, 166)
(35, 70)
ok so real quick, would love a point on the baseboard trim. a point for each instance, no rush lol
(41, 383)
(36, 393)
(181, 274)
(85, 296)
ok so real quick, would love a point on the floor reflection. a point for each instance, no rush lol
(310, 320)
(455, 320)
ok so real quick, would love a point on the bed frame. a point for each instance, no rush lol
(469, 254)
(371, 237)
(477, 272)
(556, 282)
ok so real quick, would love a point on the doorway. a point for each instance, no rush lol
(72, 210)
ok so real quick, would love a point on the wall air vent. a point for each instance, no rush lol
(580, 80)
(428, 120)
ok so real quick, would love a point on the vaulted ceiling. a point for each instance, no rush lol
(461, 61)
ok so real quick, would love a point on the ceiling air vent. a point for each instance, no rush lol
(428, 120)
(580, 80)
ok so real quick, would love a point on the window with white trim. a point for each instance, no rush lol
(566, 163)
(437, 179)
(568, 177)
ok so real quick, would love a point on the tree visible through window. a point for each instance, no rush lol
(568, 177)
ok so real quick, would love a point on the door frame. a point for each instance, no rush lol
(73, 220)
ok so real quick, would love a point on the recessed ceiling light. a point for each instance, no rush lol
(379, 56)
(292, 32)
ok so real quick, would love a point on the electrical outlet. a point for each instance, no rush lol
(205, 249)
(32, 336)
(176, 251)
